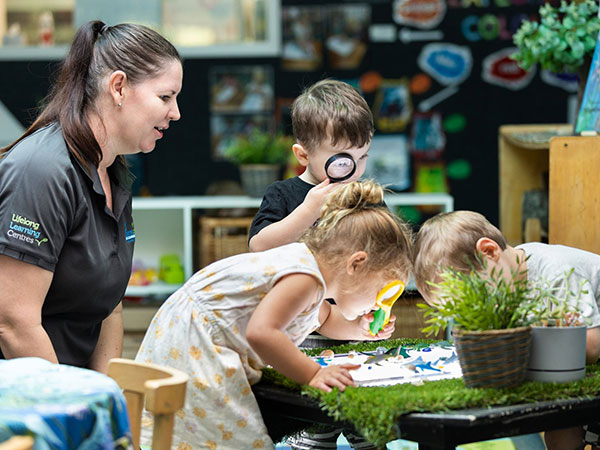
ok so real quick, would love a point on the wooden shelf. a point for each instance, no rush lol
(523, 162)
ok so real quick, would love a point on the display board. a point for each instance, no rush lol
(437, 75)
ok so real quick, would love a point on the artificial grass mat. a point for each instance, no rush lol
(373, 410)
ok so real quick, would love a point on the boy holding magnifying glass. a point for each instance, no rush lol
(333, 128)
(330, 119)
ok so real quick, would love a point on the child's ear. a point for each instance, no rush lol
(488, 248)
(356, 262)
(301, 154)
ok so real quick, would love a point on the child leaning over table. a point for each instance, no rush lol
(329, 117)
(241, 313)
(455, 239)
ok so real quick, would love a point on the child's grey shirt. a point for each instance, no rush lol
(552, 262)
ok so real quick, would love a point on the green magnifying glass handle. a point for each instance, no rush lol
(378, 321)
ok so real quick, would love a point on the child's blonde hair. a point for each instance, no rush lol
(331, 109)
(449, 240)
(354, 218)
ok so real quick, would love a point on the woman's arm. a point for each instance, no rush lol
(23, 289)
(110, 341)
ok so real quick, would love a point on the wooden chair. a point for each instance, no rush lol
(18, 443)
(162, 389)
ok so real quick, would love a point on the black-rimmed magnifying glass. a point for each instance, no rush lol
(340, 167)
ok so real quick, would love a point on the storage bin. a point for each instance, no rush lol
(221, 237)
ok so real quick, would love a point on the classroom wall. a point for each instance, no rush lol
(182, 163)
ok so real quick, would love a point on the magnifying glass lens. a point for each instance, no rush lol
(389, 293)
(340, 167)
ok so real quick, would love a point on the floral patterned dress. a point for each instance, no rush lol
(201, 329)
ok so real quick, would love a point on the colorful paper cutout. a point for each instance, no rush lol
(500, 69)
(459, 169)
(455, 123)
(419, 13)
(449, 64)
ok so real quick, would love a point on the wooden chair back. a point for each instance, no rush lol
(18, 443)
(162, 389)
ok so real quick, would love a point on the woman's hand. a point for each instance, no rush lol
(385, 333)
(337, 376)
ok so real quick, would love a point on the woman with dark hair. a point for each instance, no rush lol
(66, 228)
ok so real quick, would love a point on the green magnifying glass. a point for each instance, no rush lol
(385, 299)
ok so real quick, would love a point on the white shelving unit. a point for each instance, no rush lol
(165, 225)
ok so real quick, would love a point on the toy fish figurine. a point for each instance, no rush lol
(385, 299)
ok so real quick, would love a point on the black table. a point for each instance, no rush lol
(440, 431)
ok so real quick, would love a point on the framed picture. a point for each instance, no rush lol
(302, 36)
(226, 128)
(428, 139)
(393, 108)
(389, 161)
(347, 35)
(241, 89)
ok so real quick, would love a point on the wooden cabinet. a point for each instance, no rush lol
(575, 192)
(523, 165)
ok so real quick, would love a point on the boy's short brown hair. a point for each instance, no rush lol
(331, 109)
(449, 240)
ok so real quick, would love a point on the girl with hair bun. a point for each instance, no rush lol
(66, 226)
(235, 316)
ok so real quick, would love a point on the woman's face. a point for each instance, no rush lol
(147, 108)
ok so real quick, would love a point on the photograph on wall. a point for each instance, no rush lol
(389, 161)
(302, 35)
(224, 129)
(241, 89)
(347, 35)
(392, 109)
(427, 140)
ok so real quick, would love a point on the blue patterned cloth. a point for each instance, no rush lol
(62, 407)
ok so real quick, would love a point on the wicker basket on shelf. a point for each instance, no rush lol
(493, 358)
(221, 237)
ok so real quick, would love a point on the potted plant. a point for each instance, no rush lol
(558, 336)
(563, 40)
(260, 157)
(507, 329)
(490, 320)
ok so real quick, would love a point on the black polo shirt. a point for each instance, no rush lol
(53, 214)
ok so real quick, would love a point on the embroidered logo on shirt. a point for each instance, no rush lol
(24, 229)
(129, 234)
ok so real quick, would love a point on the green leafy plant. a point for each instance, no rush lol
(559, 304)
(478, 301)
(562, 40)
(260, 148)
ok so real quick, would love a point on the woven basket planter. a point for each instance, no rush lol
(493, 358)
(257, 177)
